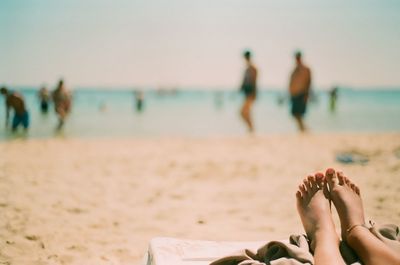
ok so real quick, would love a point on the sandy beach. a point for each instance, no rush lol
(80, 201)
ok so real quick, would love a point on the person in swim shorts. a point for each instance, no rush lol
(16, 102)
(249, 89)
(299, 90)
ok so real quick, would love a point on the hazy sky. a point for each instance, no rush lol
(197, 43)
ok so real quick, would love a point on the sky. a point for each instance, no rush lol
(198, 43)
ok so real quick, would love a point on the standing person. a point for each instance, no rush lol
(62, 103)
(44, 98)
(332, 99)
(16, 102)
(249, 89)
(139, 98)
(299, 89)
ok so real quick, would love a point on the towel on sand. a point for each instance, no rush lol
(297, 250)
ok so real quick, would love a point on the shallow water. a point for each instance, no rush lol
(112, 113)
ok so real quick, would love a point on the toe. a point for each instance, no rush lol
(298, 195)
(320, 180)
(308, 185)
(313, 183)
(340, 178)
(331, 178)
(302, 189)
(347, 180)
(357, 190)
(343, 180)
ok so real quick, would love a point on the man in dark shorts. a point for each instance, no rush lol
(299, 89)
(249, 89)
(16, 102)
(44, 97)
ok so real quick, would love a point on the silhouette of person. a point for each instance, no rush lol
(332, 99)
(62, 103)
(299, 90)
(139, 98)
(16, 102)
(44, 98)
(249, 89)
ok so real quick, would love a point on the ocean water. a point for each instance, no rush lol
(112, 113)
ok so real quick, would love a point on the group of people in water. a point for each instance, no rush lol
(299, 90)
(15, 102)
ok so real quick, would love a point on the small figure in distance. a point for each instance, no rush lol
(15, 101)
(281, 99)
(44, 97)
(332, 99)
(299, 90)
(103, 107)
(249, 89)
(139, 98)
(62, 103)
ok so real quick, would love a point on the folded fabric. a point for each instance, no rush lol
(297, 250)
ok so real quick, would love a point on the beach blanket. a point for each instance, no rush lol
(296, 251)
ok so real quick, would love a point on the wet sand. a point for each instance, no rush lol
(75, 201)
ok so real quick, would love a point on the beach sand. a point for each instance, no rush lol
(80, 201)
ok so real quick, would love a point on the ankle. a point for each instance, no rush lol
(324, 239)
(356, 233)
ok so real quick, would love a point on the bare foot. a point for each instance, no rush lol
(345, 195)
(313, 207)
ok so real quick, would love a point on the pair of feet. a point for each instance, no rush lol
(313, 204)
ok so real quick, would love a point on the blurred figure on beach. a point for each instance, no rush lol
(103, 107)
(16, 102)
(281, 99)
(249, 89)
(44, 97)
(299, 90)
(62, 103)
(332, 99)
(139, 98)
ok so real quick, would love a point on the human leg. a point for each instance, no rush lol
(245, 112)
(314, 210)
(346, 197)
(15, 122)
(300, 123)
(61, 116)
(25, 120)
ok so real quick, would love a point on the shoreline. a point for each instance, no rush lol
(215, 136)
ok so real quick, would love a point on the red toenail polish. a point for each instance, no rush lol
(319, 175)
(330, 171)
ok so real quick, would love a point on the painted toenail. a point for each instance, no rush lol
(330, 171)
